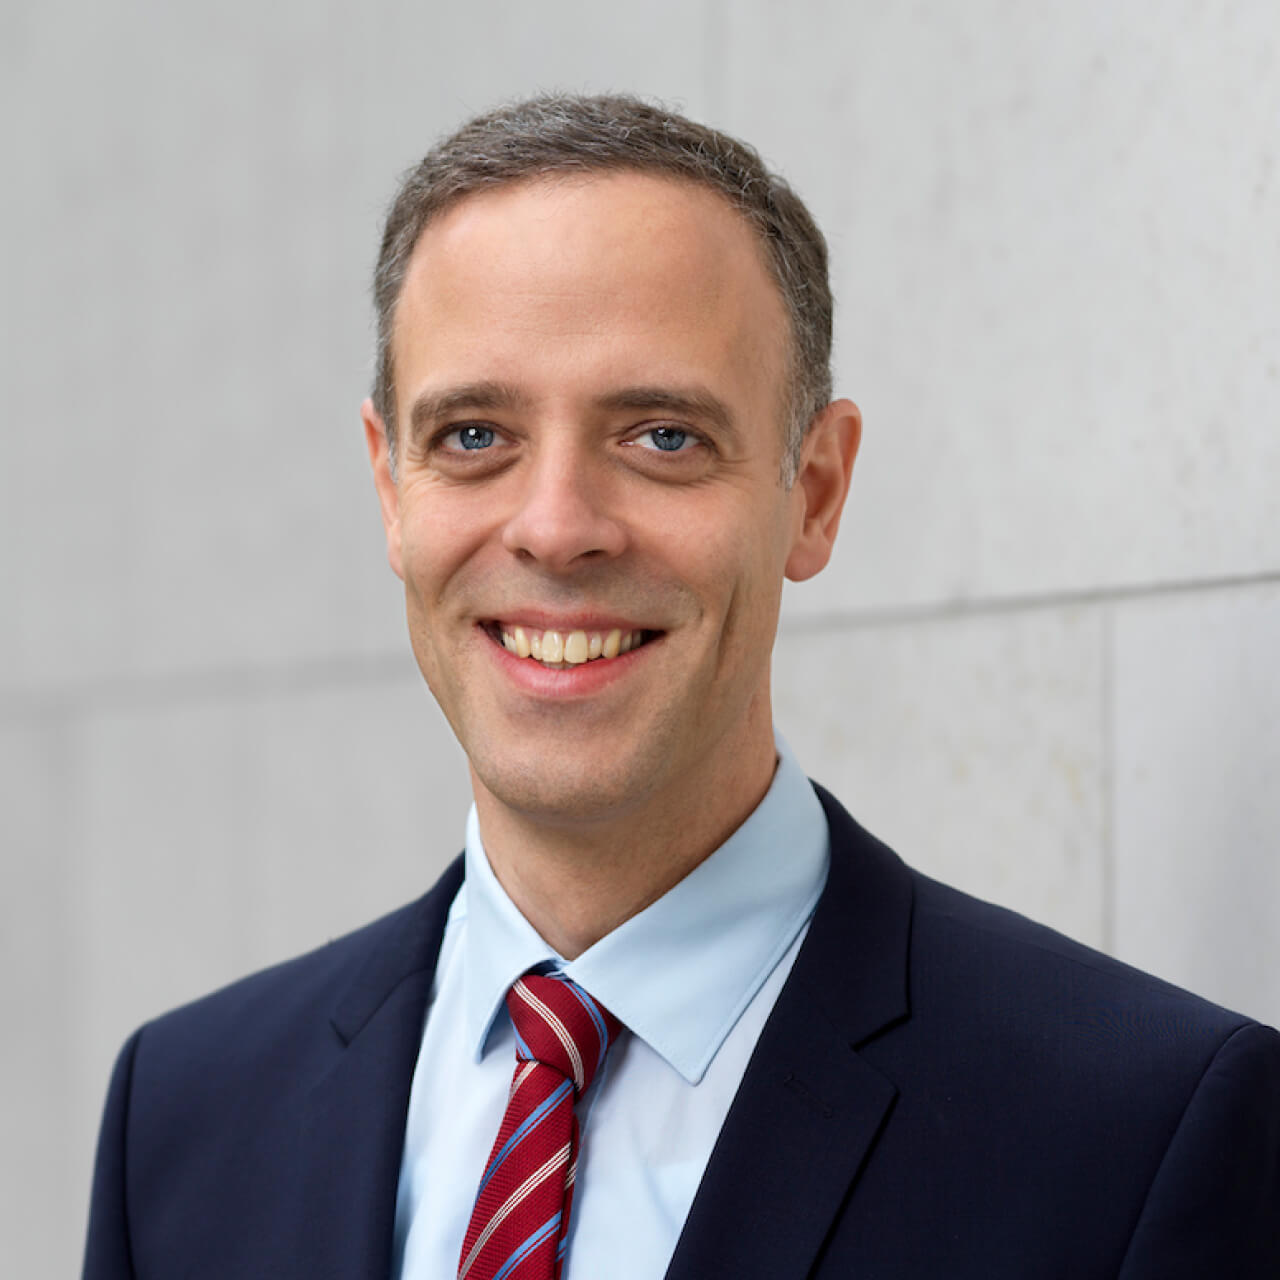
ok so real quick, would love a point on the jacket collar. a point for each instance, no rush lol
(408, 945)
(351, 1129)
(809, 1109)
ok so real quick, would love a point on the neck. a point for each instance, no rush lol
(577, 879)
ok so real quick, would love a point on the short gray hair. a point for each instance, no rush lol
(561, 133)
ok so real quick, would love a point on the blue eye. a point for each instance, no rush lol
(475, 437)
(667, 439)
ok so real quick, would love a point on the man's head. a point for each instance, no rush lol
(588, 510)
(560, 134)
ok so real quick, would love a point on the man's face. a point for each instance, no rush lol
(589, 379)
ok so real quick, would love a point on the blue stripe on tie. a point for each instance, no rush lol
(594, 1010)
(521, 1048)
(552, 1224)
(530, 1122)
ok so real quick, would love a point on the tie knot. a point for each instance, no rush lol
(561, 1026)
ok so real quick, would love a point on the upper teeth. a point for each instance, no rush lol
(568, 648)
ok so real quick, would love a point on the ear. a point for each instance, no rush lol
(375, 435)
(822, 484)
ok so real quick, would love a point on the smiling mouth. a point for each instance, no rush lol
(558, 650)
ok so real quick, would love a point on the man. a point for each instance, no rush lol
(748, 1041)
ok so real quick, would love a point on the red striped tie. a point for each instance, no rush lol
(521, 1215)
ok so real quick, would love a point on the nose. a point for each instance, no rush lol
(565, 515)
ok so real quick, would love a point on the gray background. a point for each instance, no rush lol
(1042, 664)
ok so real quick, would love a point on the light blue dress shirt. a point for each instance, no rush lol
(692, 978)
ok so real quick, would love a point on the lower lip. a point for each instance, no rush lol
(578, 681)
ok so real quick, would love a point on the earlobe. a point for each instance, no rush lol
(826, 467)
(375, 436)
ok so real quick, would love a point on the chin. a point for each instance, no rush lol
(568, 791)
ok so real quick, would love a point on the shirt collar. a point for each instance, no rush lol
(679, 973)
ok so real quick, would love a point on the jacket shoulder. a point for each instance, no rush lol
(1004, 958)
(971, 959)
(336, 986)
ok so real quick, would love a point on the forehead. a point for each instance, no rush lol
(592, 270)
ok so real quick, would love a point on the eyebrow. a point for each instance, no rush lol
(433, 406)
(691, 402)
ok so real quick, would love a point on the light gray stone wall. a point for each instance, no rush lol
(1042, 664)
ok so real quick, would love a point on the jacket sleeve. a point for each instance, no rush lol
(107, 1254)
(1213, 1208)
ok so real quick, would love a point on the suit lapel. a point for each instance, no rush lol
(809, 1109)
(351, 1130)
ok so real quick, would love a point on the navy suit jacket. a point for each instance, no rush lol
(943, 1089)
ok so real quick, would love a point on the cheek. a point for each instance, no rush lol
(744, 579)
(436, 541)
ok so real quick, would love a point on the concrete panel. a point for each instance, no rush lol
(1197, 808)
(973, 746)
(41, 1203)
(1054, 242)
(222, 833)
(191, 216)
